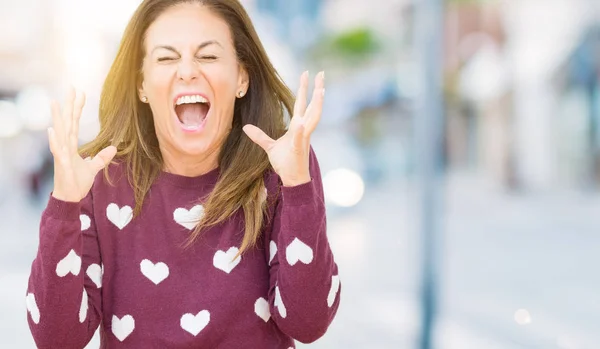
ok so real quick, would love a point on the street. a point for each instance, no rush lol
(501, 253)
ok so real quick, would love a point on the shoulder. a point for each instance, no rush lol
(113, 181)
(272, 182)
(115, 172)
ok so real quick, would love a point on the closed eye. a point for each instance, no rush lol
(208, 57)
(163, 59)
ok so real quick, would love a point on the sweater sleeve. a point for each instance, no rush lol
(64, 291)
(304, 290)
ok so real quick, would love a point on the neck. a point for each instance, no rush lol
(189, 165)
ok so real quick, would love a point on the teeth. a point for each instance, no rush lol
(191, 99)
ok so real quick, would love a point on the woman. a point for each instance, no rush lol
(206, 228)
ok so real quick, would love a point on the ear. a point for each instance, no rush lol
(243, 80)
(141, 92)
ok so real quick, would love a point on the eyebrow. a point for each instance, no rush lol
(200, 47)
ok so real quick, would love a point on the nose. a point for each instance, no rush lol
(187, 70)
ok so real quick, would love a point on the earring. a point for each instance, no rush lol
(144, 99)
(241, 94)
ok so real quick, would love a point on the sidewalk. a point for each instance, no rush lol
(500, 253)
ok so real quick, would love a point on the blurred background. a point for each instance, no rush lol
(516, 240)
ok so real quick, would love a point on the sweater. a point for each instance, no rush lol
(96, 266)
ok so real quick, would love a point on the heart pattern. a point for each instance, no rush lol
(120, 217)
(70, 264)
(224, 260)
(335, 287)
(261, 308)
(279, 303)
(272, 251)
(84, 307)
(94, 272)
(298, 251)
(123, 327)
(157, 272)
(154, 272)
(194, 324)
(188, 219)
(32, 308)
(85, 222)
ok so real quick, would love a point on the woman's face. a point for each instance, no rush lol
(191, 78)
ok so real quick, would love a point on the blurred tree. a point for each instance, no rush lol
(358, 44)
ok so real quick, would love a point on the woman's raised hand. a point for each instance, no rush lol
(289, 155)
(73, 175)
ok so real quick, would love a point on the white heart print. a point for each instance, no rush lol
(70, 264)
(85, 222)
(123, 327)
(32, 307)
(94, 272)
(195, 323)
(261, 308)
(335, 287)
(224, 260)
(272, 251)
(120, 217)
(279, 303)
(155, 272)
(298, 251)
(84, 307)
(190, 218)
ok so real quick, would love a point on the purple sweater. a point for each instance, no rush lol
(97, 266)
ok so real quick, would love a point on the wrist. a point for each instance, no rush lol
(62, 197)
(294, 182)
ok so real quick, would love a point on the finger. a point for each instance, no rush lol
(52, 142)
(300, 104)
(57, 125)
(78, 107)
(315, 109)
(67, 115)
(103, 158)
(299, 138)
(259, 137)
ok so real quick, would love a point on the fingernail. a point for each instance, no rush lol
(323, 75)
(323, 92)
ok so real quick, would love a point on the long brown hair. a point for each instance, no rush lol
(127, 123)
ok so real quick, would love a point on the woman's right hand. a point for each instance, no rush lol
(73, 175)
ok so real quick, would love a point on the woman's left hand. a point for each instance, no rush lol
(289, 154)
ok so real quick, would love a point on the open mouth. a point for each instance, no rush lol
(191, 110)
